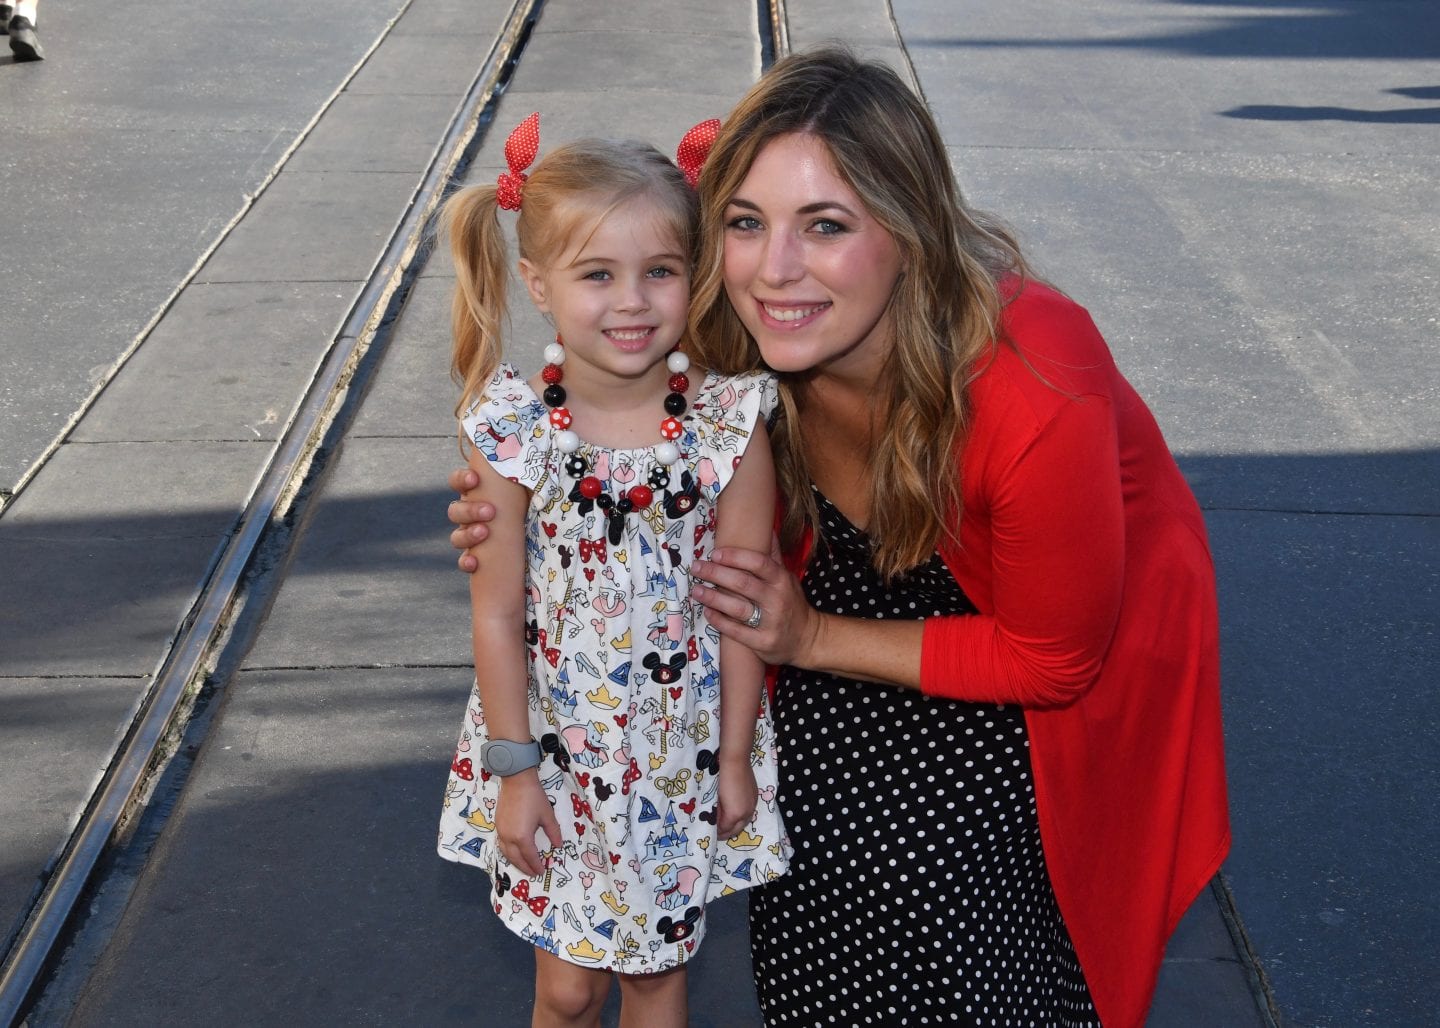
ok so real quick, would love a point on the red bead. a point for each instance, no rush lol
(552, 374)
(679, 382)
(641, 496)
(671, 429)
(560, 417)
(590, 487)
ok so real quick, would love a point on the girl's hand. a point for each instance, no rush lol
(471, 514)
(521, 809)
(738, 796)
(741, 582)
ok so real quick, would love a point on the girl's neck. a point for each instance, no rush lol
(615, 412)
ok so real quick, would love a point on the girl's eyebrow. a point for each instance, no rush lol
(809, 208)
(600, 259)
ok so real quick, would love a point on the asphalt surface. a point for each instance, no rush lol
(1243, 196)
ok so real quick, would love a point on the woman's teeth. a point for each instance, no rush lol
(792, 313)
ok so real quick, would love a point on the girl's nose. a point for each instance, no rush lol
(632, 297)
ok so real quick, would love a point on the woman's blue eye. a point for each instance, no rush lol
(826, 227)
(745, 223)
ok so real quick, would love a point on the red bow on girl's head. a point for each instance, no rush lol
(520, 151)
(695, 147)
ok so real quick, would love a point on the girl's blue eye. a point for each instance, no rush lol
(660, 271)
(597, 276)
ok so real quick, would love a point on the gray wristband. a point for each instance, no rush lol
(504, 758)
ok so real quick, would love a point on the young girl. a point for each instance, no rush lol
(609, 776)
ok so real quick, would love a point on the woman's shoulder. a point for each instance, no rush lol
(1049, 350)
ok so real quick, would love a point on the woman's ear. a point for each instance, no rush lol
(534, 285)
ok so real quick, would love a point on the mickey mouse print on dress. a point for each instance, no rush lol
(624, 694)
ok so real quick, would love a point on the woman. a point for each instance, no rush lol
(998, 710)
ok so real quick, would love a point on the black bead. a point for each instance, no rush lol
(576, 466)
(554, 396)
(675, 404)
(604, 501)
(625, 505)
(659, 478)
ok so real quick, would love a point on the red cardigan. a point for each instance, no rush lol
(1085, 553)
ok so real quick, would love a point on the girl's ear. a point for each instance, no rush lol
(534, 285)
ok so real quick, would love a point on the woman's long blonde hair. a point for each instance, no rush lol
(945, 308)
(570, 191)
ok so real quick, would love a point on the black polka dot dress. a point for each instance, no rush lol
(918, 892)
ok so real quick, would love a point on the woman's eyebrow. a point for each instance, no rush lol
(809, 208)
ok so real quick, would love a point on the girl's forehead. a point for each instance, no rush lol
(638, 226)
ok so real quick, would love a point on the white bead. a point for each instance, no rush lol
(554, 354)
(567, 441)
(678, 363)
(667, 453)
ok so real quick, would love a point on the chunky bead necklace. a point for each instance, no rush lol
(588, 488)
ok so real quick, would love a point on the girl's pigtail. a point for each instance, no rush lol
(477, 313)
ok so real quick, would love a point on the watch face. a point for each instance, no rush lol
(502, 757)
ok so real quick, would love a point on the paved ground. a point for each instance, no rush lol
(1242, 195)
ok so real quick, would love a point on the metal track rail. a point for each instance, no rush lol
(182, 670)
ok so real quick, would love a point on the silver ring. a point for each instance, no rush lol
(753, 621)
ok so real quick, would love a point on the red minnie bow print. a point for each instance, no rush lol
(590, 549)
(537, 904)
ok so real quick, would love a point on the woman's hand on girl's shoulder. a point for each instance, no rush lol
(470, 514)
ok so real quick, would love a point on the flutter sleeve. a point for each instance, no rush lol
(508, 424)
(722, 422)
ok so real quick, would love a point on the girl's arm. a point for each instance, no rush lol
(745, 515)
(497, 627)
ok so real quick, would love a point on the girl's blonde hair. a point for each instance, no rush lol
(570, 191)
(945, 309)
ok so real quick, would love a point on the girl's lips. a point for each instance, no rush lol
(790, 315)
(631, 339)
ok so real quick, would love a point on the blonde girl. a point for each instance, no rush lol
(615, 768)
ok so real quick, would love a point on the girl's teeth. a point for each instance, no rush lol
(628, 336)
(791, 313)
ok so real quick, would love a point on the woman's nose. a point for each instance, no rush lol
(780, 260)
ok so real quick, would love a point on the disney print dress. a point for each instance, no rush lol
(624, 695)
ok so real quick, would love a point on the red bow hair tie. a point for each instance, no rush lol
(695, 147)
(520, 151)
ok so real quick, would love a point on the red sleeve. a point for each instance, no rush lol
(1057, 561)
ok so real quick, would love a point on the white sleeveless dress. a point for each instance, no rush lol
(624, 695)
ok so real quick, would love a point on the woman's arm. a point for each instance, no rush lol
(793, 632)
(497, 620)
(1058, 562)
(745, 518)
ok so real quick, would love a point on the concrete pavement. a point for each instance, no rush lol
(1227, 251)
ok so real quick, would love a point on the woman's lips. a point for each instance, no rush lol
(790, 315)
